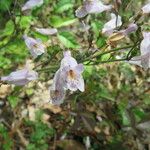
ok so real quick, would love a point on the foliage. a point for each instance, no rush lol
(113, 112)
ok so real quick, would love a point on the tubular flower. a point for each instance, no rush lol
(21, 77)
(144, 59)
(46, 31)
(35, 46)
(131, 28)
(90, 7)
(31, 3)
(112, 24)
(57, 90)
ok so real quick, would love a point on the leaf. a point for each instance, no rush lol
(9, 29)
(13, 100)
(25, 22)
(64, 5)
(57, 21)
(5, 5)
(68, 40)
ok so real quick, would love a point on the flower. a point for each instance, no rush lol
(35, 46)
(112, 24)
(72, 72)
(21, 77)
(90, 7)
(57, 90)
(131, 28)
(144, 59)
(31, 3)
(46, 31)
(68, 76)
(146, 8)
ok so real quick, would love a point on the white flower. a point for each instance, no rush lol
(144, 59)
(72, 72)
(90, 7)
(31, 3)
(112, 24)
(35, 46)
(46, 31)
(146, 8)
(21, 77)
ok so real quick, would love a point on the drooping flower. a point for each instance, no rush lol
(145, 44)
(72, 72)
(144, 59)
(46, 31)
(112, 24)
(146, 8)
(31, 3)
(57, 90)
(131, 28)
(21, 77)
(35, 46)
(90, 7)
(68, 76)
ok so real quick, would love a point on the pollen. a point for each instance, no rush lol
(71, 74)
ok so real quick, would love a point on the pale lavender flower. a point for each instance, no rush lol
(21, 77)
(144, 59)
(145, 44)
(35, 46)
(31, 3)
(72, 72)
(131, 28)
(46, 31)
(96, 6)
(146, 8)
(112, 24)
(90, 7)
(57, 90)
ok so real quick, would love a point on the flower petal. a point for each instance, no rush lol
(146, 9)
(96, 6)
(46, 31)
(31, 3)
(112, 24)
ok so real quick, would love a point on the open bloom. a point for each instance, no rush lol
(68, 76)
(72, 72)
(21, 77)
(35, 46)
(144, 59)
(146, 8)
(46, 31)
(90, 7)
(31, 3)
(112, 24)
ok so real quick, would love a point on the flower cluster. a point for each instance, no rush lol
(69, 75)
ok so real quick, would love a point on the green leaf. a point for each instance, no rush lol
(5, 5)
(13, 100)
(25, 22)
(9, 29)
(57, 21)
(64, 5)
(68, 40)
